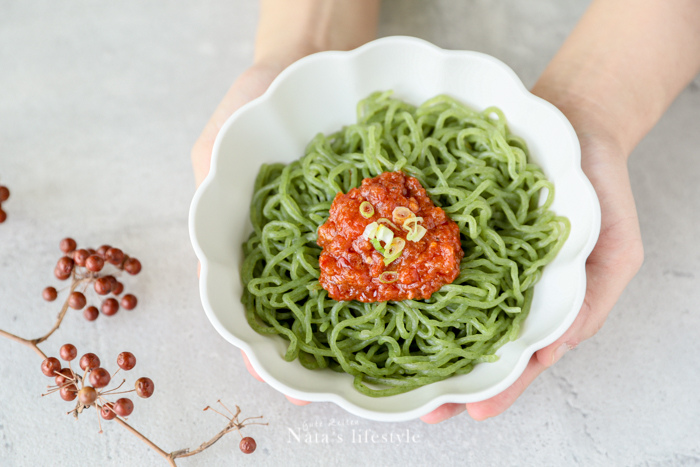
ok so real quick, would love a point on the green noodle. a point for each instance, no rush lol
(472, 167)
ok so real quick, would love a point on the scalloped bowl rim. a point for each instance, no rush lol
(210, 266)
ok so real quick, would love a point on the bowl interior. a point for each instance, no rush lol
(320, 94)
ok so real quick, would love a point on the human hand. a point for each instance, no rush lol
(287, 31)
(611, 265)
(613, 78)
(250, 84)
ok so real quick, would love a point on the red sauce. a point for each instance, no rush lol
(351, 266)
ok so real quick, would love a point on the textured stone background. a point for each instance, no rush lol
(100, 103)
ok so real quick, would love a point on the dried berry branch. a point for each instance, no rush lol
(148, 442)
(247, 444)
(23, 341)
(85, 268)
(61, 315)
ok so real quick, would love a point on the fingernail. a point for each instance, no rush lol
(561, 350)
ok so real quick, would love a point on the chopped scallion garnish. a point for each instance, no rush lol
(400, 214)
(370, 231)
(387, 277)
(366, 209)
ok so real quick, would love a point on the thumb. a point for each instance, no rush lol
(609, 269)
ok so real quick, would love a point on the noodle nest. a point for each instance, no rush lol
(477, 172)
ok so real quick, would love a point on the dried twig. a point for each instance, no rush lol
(71, 385)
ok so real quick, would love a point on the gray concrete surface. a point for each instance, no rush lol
(100, 103)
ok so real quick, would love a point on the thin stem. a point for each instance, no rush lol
(214, 410)
(256, 423)
(229, 410)
(243, 422)
(232, 425)
(61, 315)
(114, 389)
(120, 392)
(99, 421)
(23, 341)
(140, 436)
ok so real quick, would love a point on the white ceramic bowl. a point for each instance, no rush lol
(319, 94)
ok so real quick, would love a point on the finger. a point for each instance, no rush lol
(201, 159)
(609, 269)
(499, 403)
(250, 368)
(252, 371)
(617, 256)
(251, 84)
(202, 149)
(297, 401)
(443, 412)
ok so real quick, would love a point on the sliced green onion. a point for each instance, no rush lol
(396, 247)
(377, 245)
(393, 251)
(417, 233)
(370, 231)
(366, 210)
(400, 214)
(415, 230)
(386, 221)
(385, 234)
(387, 277)
(409, 223)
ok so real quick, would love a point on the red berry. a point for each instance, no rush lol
(123, 407)
(99, 377)
(60, 275)
(110, 306)
(4, 193)
(80, 256)
(87, 395)
(68, 393)
(64, 267)
(50, 366)
(129, 302)
(94, 263)
(111, 279)
(49, 294)
(102, 250)
(89, 360)
(64, 376)
(91, 313)
(114, 256)
(68, 352)
(144, 387)
(67, 245)
(132, 266)
(3, 216)
(247, 445)
(117, 287)
(77, 300)
(107, 411)
(103, 286)
(126, 361)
